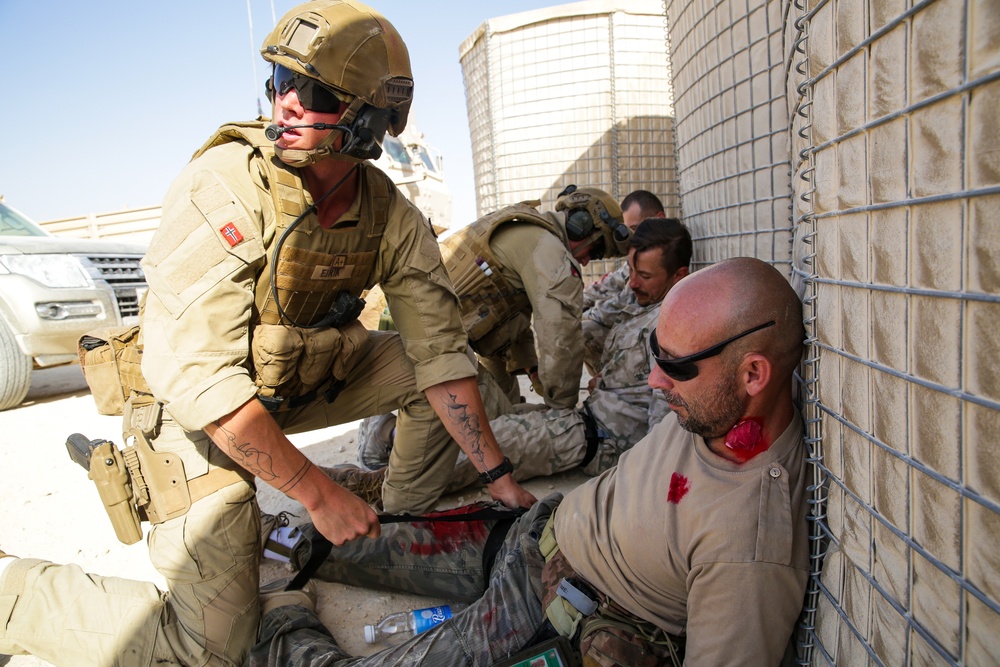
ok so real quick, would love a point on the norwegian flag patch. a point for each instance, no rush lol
(231, 234)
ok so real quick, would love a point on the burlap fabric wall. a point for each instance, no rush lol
(870, 131)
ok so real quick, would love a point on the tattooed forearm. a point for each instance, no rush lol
(468, 426)
(254, 460)
(290, 484)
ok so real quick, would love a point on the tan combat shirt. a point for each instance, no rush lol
(696, 544)
(538, 262)
(198, 312)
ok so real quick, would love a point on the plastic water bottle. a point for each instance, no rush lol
(402, 625)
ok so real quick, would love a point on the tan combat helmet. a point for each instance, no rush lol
(593, 215)
(351, 49)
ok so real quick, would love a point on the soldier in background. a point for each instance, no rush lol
(517, 275)
(267, 239)
(608, 299)
(621, 407)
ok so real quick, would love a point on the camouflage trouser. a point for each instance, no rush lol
(440, 559)
(542, 441)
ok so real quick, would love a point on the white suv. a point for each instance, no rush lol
(52, 291)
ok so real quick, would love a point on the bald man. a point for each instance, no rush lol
(698, 537)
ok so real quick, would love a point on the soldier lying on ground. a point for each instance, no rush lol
(697, 539)
(619, 411)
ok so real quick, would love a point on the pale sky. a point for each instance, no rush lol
(106, 101)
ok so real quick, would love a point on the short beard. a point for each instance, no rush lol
(718, 412)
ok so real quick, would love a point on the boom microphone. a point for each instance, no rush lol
(272, 132)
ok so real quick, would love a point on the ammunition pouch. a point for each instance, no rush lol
(111, 359)
(292, 365)
(606, 634)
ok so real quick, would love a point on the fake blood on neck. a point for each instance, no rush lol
(746, 440)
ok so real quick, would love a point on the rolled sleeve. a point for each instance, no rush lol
(421, 298)
(195, 324)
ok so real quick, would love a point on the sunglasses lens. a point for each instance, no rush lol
(312, 95)
(679, 371)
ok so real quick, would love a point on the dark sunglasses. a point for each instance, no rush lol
(313, 95)
(686, 368)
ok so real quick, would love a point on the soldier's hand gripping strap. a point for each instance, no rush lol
(106, 466)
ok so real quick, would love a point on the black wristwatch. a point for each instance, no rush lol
(494, 474)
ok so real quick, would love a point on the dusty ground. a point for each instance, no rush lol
(51, 510)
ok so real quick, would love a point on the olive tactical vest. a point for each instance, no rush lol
(486, 298)
(313, 267)
(314, 264)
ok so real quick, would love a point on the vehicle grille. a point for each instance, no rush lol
(125, 276)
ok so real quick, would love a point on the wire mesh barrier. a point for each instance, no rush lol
(885, 116)
(574, 94)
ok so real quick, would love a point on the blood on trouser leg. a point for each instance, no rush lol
(746, 440)
(451, 536)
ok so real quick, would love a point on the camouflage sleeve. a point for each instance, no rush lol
(608, 287)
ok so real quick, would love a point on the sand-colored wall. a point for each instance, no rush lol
(870, 132)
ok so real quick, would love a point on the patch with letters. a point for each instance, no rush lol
(337, 268)
(231, 234)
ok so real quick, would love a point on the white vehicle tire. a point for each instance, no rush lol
(15, 370)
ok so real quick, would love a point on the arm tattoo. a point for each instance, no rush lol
(296, 478)
(468, 426)
(254, 460)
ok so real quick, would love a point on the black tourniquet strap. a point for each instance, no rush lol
(321, 547)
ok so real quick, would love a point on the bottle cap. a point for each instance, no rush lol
(369, 634)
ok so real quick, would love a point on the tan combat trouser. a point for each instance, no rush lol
(210, 557)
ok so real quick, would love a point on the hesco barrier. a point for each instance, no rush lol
(577, 93)
(856, 146)
(886, 113)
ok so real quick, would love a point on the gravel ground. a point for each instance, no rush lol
(52, 511)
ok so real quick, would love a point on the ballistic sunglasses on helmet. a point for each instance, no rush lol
(313, 95)
(686, 368)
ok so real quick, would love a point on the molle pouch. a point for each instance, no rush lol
(320, 347)
(614, 638)
(276, 350)
(111, 359)
(356, 342)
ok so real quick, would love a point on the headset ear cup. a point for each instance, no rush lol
(579, 225)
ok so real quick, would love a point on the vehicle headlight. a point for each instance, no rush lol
(49, 270)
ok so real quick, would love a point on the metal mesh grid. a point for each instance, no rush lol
(908, 400)
(893, 126)
(571, 99)
(729, 79)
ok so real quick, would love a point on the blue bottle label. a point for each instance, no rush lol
(425, 619)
